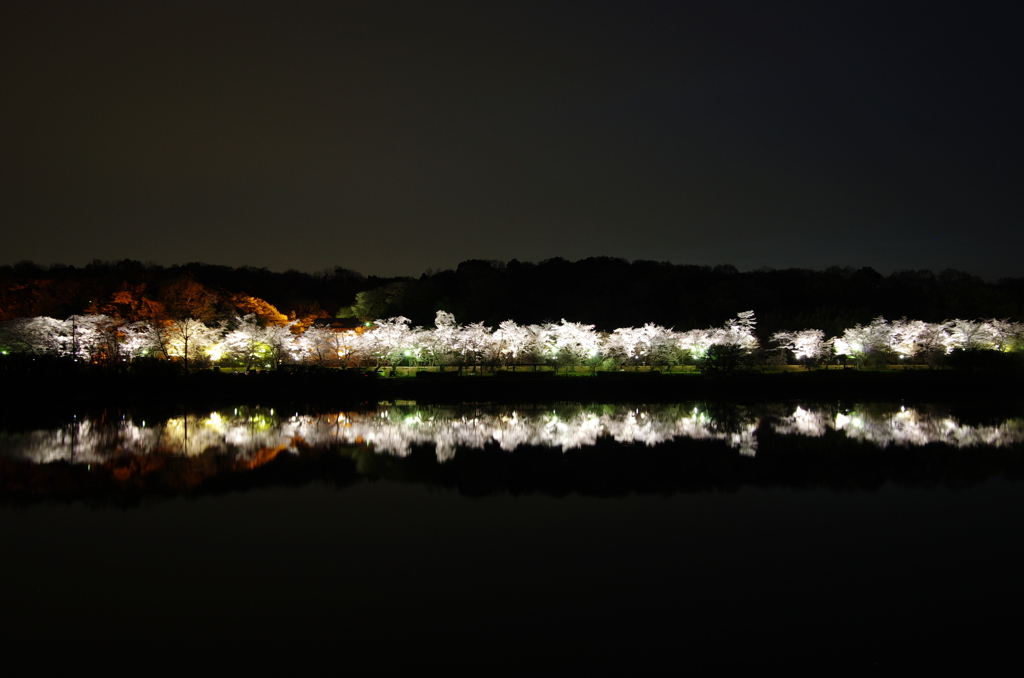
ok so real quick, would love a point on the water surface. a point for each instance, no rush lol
(574, 537)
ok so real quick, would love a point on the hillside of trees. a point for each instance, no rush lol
(606, 292)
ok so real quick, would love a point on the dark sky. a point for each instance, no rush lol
(392, 137)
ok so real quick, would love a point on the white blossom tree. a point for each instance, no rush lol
(385, 342)
(39, 335)
(320, 346)
(693, 344)
(809, 347)
(189, 340)
(970, 334)
(140, 339)
(97, 338)
(244, 341)
(871, 344)
(476, 345)
(648, 345)
(91, 338)
(661, 345)
(739, 331)
(626, 346)
(440, 346)
(281, 343)
(1007, 335)
(907, 338)
(569, 343)
(933, 343)
(513, 342)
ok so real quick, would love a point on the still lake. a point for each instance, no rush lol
(501, 538)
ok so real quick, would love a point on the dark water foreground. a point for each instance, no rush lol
(512, 539)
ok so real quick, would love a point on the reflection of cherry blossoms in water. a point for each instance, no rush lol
(85, 440)
(396, 433)
(811, 423)
(882, 426)
(247, 434)
(908, 426)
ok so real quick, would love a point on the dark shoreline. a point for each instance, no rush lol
(339, 388)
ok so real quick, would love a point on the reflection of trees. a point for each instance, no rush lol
(246, 433)
(804, 422)
(482, 449)
(908, 426)
(396, 430)
(95, 440)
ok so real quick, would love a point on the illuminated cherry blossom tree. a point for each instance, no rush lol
(384, 343)
(189, 340)
(320, 346)
(476, 345)
(282, 343)
(270, 340)
(971, 334)
(1007, 335)
(514, 342)
(243, 341)
(139, 339)
(39, 335)
(569, 343)
(625, 346)
(866, 344)
(439, 346)
(809, 347)
(648, 345)
(738, 331)
(693, 344)
(92, 338)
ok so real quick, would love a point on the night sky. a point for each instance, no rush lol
(393, 137)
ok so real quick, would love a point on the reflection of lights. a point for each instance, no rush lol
(215, 422)
(396, 429)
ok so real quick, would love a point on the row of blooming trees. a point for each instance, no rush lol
(918, 341)
(250, 341)
(100, 339)
(902, 341)
(563, 344)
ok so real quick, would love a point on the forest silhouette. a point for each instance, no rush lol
(604, 291)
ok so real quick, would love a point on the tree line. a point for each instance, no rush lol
(188, 336)
(111, 313)
(605, 291)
